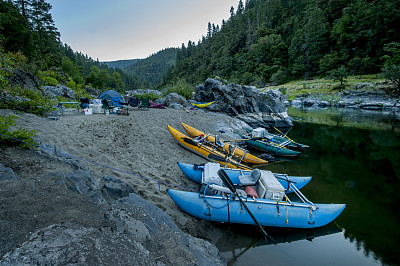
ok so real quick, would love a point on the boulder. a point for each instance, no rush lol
(323, 104)
(174, 98)
(142, 91)
(56, 91)
(309, 102)
(245, 102)
(115, 188)
(7, 173)
(24, 80)
(176, 106)
(296, 103)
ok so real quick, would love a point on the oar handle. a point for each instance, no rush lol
(290, 139)
(284, 134)
(228, 182)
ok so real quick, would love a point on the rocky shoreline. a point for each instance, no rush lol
(70, 216)
(356, 99)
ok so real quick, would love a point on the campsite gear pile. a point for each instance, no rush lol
(111, 102)
(232, 191)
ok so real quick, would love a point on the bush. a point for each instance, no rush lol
(280, 77)
(181, 87)
(50, 78)
(150, 96)
(20, 137)
(32, 102)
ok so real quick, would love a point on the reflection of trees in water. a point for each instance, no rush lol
(241, 238)
(363, 168)
(347, 117)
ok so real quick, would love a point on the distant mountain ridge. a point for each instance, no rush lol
(151, 70)
(121, 64)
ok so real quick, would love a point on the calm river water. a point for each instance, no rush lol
(354, 158)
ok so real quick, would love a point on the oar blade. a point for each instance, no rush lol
(215, 157)
(190, 141)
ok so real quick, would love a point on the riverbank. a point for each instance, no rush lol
(136, 149)
(360, 92)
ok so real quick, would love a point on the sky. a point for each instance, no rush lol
(111, 30)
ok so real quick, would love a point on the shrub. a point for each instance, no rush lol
(20, 137)
(181, 87)
(32, 102)
(150, 96)
(50, 77)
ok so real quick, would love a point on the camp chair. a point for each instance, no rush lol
(84, 103)
(116, 101)
(144, 104)
(123, 109)
(134, 102)
(107, 106)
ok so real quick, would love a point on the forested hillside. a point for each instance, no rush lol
(273, 41)
(30, 41)
(121, 64)
(152, 70)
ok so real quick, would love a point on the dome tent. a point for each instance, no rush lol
(108, 95)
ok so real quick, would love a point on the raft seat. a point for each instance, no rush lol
(250, 180)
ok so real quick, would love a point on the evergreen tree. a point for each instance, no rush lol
(15, 32)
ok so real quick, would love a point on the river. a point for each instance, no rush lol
(354, 158)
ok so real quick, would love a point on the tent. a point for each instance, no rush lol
(108, 95)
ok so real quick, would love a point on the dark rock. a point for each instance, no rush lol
(309, 102)
(142, 91)
(93, 91)
(176, 106)
(296, 103)
(57, 91)
(323, 104)
(49, 224)
(172, 98)
(65, 244)
(7, 173)
(244, 101)
(356, 99)
(23, 80)
(115, 188)
(81, 181)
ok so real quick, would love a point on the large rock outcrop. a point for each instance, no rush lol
(246, 102)
(62, 218)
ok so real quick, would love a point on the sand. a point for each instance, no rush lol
(138, 149)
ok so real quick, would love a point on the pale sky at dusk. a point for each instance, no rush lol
(129, 29)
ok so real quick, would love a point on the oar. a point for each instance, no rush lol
(232, 140)
(190, 141)
(228, 182)
(299, 146)
(217, 158)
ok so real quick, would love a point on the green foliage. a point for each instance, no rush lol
(81, 92)
(280, 77)
(71, 69)
(181, 87)
(50, 77)
(19, 137)
(32, 102)
(392, 73)
(272, 39)
(339, 74)
(151, 71)
(150, 96)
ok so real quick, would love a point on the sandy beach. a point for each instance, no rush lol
(137, 148)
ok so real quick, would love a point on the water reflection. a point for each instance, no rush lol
(354, 158)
